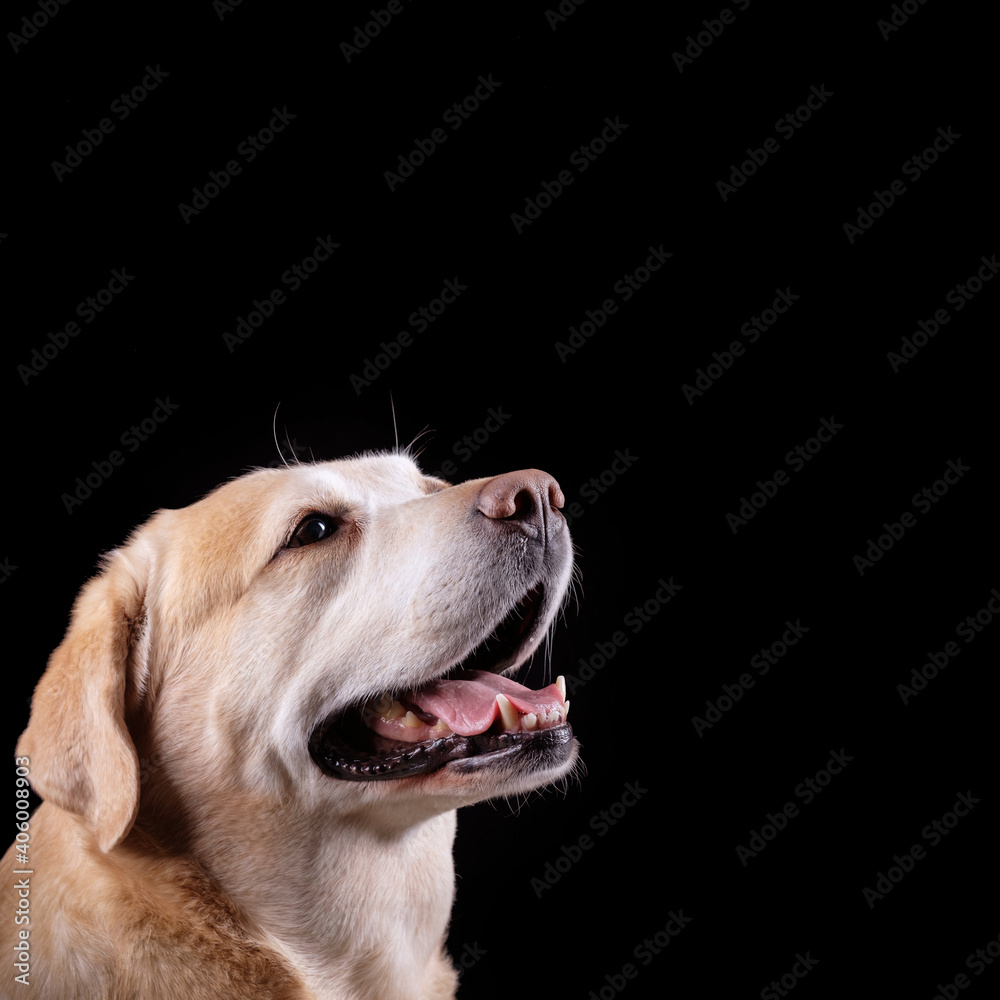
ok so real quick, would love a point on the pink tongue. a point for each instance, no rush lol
(468, 704)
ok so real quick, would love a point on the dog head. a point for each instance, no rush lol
(336, 636)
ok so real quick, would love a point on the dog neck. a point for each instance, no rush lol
(359, 903)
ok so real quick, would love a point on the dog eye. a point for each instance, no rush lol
(312, 528)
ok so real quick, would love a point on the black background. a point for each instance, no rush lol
(661, 518)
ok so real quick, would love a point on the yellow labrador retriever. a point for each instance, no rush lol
(253, 739)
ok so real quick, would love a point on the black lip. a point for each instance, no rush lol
(390, 759)
(343, 747)
(503, 644)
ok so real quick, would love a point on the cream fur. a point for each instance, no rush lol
(187, 845)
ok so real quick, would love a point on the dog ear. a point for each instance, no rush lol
(82, 756)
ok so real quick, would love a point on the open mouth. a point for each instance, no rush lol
(471, 713)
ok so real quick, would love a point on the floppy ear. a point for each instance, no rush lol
(82, 757)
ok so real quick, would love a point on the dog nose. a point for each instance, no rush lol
(527, 499)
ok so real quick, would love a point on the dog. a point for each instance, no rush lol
(252, 742)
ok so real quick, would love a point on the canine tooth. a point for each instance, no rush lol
(395, 711)
(561, 684)
(383, 704)
(530, 720)
(507, 712)
(411, 721)
(565, 711)
(441, 727)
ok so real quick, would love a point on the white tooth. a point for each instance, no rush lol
(441, 727)
(507, 713)
(383, 704)
(565, 711)
(411, 721)
(395, 711)
(530, 720)
(561, 684)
